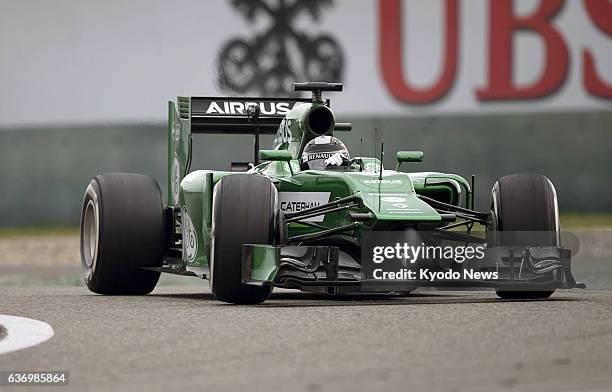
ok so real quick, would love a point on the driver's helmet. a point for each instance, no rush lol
(324, 152)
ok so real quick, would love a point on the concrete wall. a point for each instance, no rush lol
(44, 171)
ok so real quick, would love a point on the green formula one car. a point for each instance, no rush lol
(306, 215)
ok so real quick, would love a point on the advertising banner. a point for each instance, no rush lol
(101, 62)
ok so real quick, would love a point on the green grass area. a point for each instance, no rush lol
(585, 220)
(8, 232)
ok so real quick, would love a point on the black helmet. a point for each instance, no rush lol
(324, 152)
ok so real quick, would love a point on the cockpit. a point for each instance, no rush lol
(325, 153)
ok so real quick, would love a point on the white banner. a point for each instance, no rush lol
(86, 61)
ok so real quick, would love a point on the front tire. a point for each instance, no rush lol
(524, 213)
(122, 229)
(244, 212)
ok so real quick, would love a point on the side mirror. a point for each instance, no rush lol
(275, 155)
(408, 156)
(241, 166)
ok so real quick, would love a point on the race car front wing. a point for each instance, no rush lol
(326, 269)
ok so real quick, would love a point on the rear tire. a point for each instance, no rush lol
(524, 212)
(244, 212)
(122, 229)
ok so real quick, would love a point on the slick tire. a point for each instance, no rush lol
(524, 212)
(244, 212)
(122, 229)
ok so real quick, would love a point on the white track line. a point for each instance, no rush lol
(22, 333)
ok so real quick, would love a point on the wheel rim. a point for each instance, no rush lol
(90, 232)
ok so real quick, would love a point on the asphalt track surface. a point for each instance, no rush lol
(181, 338)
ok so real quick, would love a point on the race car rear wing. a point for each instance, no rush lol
(221, 115)
(236, 115)
(239, 115)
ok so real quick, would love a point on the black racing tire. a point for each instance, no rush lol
(122, 229)
(524, 213)
(244, 212)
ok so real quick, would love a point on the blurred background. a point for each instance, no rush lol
(482, 87)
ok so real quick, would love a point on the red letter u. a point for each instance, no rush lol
(390, 35)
